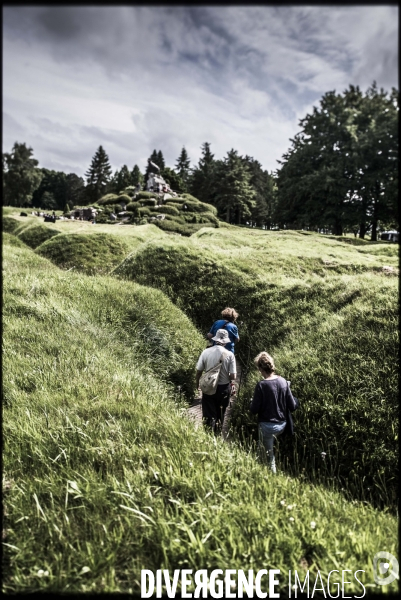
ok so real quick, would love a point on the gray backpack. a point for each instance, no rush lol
(209, 379)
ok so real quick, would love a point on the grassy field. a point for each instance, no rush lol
(104, 475)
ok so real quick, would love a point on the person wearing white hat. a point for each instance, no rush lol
(214, 406)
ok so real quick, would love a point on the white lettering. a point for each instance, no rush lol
(318, 576)
(185, 582)
(273, 582)
(230, 583)
(201, 583)
(258, 577)
(337, 584)
(364, 589)
(342, 579)
(158, 583)
(306, 581)
(144, 574)
(171, 589)
(213, 583)
(245, 584)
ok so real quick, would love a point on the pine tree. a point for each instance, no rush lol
(233, 193)
(182, 166)
(20, 176)
(123, 179)
(136, 176)
(98, 175)
(160, 160)
(201, 181)
(264, 186)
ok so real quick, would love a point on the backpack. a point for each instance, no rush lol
(209, 379)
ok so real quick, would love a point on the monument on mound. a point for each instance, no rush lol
(156, 183)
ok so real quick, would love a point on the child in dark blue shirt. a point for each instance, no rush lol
(229, 316)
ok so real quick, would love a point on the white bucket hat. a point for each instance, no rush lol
(221, 336)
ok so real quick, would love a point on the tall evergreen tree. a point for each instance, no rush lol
(20, 176)
(264, 186)
(98, 175)
(123, 179)
(136, 176)
(174, 180)
(160, 160)
(182, 166)
(201, 180)
(233, 193)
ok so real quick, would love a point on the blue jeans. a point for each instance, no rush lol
(267, 432)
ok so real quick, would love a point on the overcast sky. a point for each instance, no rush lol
(137, 78)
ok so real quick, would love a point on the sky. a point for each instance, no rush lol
(138, 78)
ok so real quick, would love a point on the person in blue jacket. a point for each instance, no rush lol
(229, 316)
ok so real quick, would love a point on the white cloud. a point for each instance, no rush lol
(138, 78)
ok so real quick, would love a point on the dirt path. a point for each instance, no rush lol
(194, 412)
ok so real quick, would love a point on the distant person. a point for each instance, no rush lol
(214, 406)
(272, 402)
(229, 316)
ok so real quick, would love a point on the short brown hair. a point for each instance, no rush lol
(230, 314)
(265, 362)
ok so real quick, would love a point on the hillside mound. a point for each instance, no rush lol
(328, 336)
(35, 235)
(9, 224)
(184, 215)
(12, 240)
(114, 478)
(92, 254)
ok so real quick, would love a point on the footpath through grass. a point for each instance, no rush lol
(328, 313)
(105, 476)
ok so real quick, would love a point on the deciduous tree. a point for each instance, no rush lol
(20, 176)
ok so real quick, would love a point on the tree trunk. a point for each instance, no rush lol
(338, 228)
(362, 230)
(228, 214)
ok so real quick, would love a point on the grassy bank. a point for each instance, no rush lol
(104, 475)
(327, 312)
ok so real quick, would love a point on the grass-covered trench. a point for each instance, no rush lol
(104, 475)
(327, 310)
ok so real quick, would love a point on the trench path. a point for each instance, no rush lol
(194, 412)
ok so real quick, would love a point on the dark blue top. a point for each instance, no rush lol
(272, 399)
(232, 331)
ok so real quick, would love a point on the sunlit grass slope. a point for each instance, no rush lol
(327, 312)
(105, 475)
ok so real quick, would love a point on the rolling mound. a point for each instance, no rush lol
(35, 235)
(333, 334)
(89, 253)
(104, 474)
(9, 224)
(12, 240)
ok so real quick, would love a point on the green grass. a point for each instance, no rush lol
(91, 254)
(327, 313)
(104, 474)
(35, 235)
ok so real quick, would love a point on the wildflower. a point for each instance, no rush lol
(42, 573)
(292, 519)
(323, 455)
(290, 507)
(191, 464)
(282, 502)
(313, 524)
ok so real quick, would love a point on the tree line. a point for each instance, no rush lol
(340, 173)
